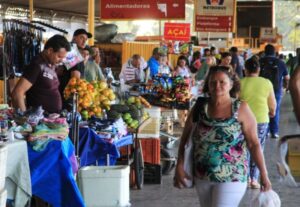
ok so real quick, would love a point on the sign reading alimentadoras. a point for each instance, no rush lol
(142, 9)
(214, 15)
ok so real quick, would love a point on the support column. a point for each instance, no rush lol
(30, 10)
(91, 20)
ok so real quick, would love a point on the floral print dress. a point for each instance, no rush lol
(220, 153)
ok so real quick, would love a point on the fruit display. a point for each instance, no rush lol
(93, 97)
(170, 91)
(130, 111)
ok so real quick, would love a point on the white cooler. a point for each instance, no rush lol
(104, 185)
(3, 160)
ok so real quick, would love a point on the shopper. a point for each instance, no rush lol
(92, 70)
(224, 127)
(80, 38)
(236, 64)
(282, 78)
(153, 62)
(133, 71)
(182, 68)
(226, 60)
(39, 81)
(295, 90)
(258, 93)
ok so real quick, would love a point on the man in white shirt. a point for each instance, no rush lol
(133, 71)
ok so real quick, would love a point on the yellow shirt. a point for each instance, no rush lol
(255, 91)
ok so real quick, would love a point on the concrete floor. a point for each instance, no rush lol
(165, 195)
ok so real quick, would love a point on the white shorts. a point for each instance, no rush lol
(214, 194)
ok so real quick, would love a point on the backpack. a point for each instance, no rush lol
(269, 69)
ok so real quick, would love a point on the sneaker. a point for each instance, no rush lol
(274, 136)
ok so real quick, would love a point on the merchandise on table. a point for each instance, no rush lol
(94, 97)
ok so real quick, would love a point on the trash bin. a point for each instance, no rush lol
(104, 185)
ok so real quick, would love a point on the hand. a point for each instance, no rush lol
(180, 177)
(265, 184)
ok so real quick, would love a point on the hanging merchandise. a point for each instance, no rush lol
(22, 41)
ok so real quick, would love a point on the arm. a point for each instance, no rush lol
(180, 175)
(272, 103)
(18, 94)
(249, 128)
(295, 92)
(286, 81)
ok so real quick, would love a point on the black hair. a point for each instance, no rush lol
(233, 77)
(212, 48)
(57, 42)
(252, 64)
(225, 54)
(182, 57)
(196, 55)
(233, 49)
(155, 51)
(269, 49)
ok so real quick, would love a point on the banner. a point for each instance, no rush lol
(177, 31)
(142, 9)
(214, 15)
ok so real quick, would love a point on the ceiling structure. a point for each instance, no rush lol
(70, 7)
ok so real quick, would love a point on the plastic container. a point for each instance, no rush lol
(153, 127)
(3, 160)
(104, 185)
(3, 196)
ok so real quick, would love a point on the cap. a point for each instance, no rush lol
(82, 31)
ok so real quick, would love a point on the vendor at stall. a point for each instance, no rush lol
(134, 70)
(39, 81)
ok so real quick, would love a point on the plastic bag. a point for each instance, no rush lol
(267, 199)
(285, 174)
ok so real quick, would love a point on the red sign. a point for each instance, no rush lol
(142, 9)
(214, 23)
(177, 31)
(214, 15)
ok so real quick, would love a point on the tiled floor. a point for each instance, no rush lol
(165, 195)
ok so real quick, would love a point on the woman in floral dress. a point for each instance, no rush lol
(223, 129)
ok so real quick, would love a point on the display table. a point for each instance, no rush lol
(52, 177)
(18, 182)
(94, 150)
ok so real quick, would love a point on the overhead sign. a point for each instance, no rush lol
(268, 34)
(177, 31)
(214, 15)
(142, 9)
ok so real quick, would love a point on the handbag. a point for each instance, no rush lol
(188, 164)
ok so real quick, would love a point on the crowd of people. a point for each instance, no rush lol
(239, 110)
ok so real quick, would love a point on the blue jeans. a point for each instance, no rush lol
(274, 122)
(262, 131)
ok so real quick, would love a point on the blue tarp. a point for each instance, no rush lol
(52, 176)
(93, 148)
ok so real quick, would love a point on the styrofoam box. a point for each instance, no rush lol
(153, 127)
(3, 196)
(104, 185)
(3, 160)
